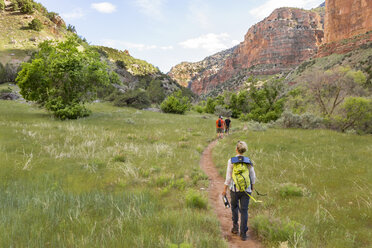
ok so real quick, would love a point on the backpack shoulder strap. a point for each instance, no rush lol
(241, 159)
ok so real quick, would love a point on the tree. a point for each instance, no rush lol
(357, 114)
(36, 25)
(176, 103)
(71, 28)
(62, 77)
(210, 106)
(331, 87)
(267, 103)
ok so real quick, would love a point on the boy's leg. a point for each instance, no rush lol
(234, 211)
(244, 202)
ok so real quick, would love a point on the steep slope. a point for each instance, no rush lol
(17, 41)
(186, 72)
(280, 42)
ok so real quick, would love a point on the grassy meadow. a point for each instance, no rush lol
(318, 185)
(119, 178)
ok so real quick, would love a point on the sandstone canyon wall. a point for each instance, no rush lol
(280, 42)
(347, 18)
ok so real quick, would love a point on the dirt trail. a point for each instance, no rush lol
(223, 214)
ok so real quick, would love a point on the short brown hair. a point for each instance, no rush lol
(241, 147)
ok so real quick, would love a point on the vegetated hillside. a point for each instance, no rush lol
(138, 80)
(186, 72)
(280, 42)
(18, 41)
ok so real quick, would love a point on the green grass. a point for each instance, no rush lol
(333, 171)
(116, 179)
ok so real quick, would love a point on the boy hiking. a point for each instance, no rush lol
(227, 125)
(220, 127)
(240, 179)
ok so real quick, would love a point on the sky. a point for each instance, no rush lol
(167, 32)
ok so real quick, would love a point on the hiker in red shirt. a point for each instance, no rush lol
(220, 126)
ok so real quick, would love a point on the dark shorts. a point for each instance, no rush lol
(220, 130)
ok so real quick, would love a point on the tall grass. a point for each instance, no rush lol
(332, 172)
(116, 179)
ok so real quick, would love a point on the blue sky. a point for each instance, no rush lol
(167, 32)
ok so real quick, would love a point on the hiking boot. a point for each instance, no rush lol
(243, 236)
(235, 230)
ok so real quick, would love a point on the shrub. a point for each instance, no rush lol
(26, 6)
(133, 98)
(2, 5)
(222, 111)
(176, 103)
(290, 189)
(210, 106)
(305, 121)
(36, 25)
(14, 5)
(39, 7)
(195, 200)
(257, 126)
(199, 109)
(278, 231)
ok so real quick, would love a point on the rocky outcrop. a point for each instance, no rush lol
(280, 42)
(185, 72)
(347, 18)
(348, 26)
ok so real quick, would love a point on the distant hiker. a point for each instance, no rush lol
(220, 126)
(227, 125)
(240, 178)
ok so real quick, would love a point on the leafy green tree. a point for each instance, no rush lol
(176, 103)
(137, 98)
(62, 77)
(356, 113)
(210, 106)
(36, 25)
(267, 102)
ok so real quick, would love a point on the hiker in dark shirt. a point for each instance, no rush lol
(227, 125)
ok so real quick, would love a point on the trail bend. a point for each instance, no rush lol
(214, 194)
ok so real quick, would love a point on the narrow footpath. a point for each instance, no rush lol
(223, 214)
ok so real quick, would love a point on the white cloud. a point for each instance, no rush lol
(210, 42)
(265, 9)
(104, 7)
(134, 46)
(77, 13)
(151, 8)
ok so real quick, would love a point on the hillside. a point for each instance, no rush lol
(186, 72)
(18, 41)
(278, 43)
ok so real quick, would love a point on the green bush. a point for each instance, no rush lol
(356, 114)
(275, 230)
(66, 111)
(222, 111)
(2, 5)
(305, 121)
(195, 200)
(290, 189)
(26, 6)
(176, 103)
(14, 5)
(199, 109)
(39, 7)
(133, 98)
(36, 25)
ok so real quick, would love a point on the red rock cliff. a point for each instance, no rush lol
(347, 18)
(278, 43)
